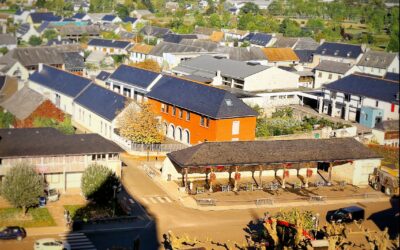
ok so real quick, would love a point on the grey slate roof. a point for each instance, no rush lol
(261, 39)
(242, 54)
(339, 50)
(101, 101)
(389, 125)
(165, 47)
(7, 39)
(23, 103)
(306, 43)
(305, 56)
(268, 152)
(206, 65)
(60, 80)
(34, 55)
(109, 43)
(177, 38)
(22, 142)
(377, 59)
(334, 67)
(39, 17)
(134, 76)
(73, 30)
(285, 42)
(205, 44)
(154, 31)
(368, 86)
(199, 98)
(73, 61)
(103, 75)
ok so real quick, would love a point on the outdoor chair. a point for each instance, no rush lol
(199, 190)
(226, 188)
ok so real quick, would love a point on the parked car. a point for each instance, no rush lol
(8, 233)
(51, 244)
(51, 194)
(346, 215)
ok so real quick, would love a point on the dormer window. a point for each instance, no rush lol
(348, 54)
(228, 102)
(336, 52)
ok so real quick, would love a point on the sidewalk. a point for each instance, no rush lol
(188, 201)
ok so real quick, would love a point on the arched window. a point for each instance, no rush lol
(179, 134)
(186, 137)
(171, 131)
(165, 128)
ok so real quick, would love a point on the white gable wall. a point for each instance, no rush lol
(271, 79)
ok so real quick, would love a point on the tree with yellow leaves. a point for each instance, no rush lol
(148, 64)
(138, 123)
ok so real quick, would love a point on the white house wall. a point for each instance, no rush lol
(271, 79)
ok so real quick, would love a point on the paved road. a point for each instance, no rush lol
(226, 225)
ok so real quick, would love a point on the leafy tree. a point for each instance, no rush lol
(40, 3)
(35, 41)
(97, 183)
(122, 10)
(22, 186)
(289, 28)
(138, 123)
(3, 50)
(316, 25)
(215, 21)
(6, 119)
(50, 34)
(250, 7)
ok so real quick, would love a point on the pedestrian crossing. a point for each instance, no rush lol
(156, 199)
(77, 241)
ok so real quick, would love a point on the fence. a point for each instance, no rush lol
(157, 147)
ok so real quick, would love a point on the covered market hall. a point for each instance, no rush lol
(345, 159)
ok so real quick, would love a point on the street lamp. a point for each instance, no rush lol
(114, 188)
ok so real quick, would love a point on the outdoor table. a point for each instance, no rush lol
(199, 190)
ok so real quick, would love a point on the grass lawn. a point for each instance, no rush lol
(36, 217)
(93, 211)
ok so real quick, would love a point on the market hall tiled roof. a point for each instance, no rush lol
(271, 152)
(199, 98)
(109, 43)
(25, 142)
(59, 80)
(339, 50)
(368, 86)
(134, 76)
(101, 101)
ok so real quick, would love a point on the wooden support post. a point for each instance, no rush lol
(186, 179)
(330, 173)
(260, 177)
(306, 180)
(211, 180)
(236, 181)
(284, 177)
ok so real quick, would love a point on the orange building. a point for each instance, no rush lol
(192, 113)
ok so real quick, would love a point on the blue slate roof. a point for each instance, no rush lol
(108, 18)
(103, 75)
(39, 17)
(78, 16)
(60, 80)
(339, 50)
(134, 76)
(43, 26)
(23, 28)
(19, 12)
(101, 101)
(108, 43)
(261, 39)
(2, 81)
(392, 76)
(199, 98)
(368, 86)
(177, 38)
(129, 19)
(305, 55)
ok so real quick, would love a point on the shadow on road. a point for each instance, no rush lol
(382, 221)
